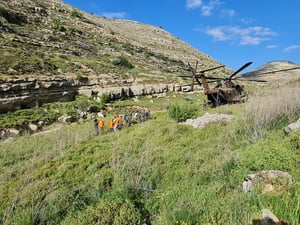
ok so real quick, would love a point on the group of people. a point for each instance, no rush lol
(119, 122)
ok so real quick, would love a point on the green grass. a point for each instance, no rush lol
(156, 172)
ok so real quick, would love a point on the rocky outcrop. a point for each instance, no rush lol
(127, 91)
(20, 93)
(268, 218)
(202, 121)
(292, 127)
(268, 181)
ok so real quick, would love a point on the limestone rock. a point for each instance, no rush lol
(270, 181)
(33, 127)
(292, 127)
(203, 121)
(14, 132)
(67, 119)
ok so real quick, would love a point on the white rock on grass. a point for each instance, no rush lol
(202, 121)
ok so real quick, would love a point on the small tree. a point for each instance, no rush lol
(122, 62)
(181, 113)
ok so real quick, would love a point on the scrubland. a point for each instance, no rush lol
(159, 171)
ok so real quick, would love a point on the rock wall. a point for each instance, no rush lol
(127, 91)
(21, 93)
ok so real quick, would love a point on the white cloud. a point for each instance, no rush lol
(207, 10)
(246, 20)
(227, 13)
(218, 34)
(291, 48)
(272, 46)
(252, 40)
(242, 36)
(192, 4)
(115, 15)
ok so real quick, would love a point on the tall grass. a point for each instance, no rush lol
(271, 108)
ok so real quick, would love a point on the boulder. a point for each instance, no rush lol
(67, 119)
(202, 121)
(268, 218)
(270, 181)
(292, 127)
(33, 127)
(13, 132)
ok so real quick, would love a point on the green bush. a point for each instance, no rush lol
(122, 62)
(105, 98)
(181, 113)
(107, 212)
(56, 25)
(294, 141)
(77, 14)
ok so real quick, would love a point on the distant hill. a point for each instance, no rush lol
(275, 70)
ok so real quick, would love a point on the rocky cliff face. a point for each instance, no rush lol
(20, 93)
(29, 92)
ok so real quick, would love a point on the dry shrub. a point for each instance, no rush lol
(272, 107)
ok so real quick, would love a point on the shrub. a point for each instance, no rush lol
(294, 141)
(77, 14)
(104, 98)
(122, 62)
(12, 17)
(56, 25)
(181, 113)
(107, 212)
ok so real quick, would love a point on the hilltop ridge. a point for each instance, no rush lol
(277, 70)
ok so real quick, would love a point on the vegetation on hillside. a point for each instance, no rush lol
(53, 38)
(49, 112)
(156, 172)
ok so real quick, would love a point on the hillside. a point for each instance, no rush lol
(53, 38)
(50, 51)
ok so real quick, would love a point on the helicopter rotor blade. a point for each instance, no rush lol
(214, 78)
(192, 69)
(185, 77)
(193, 76)
(214, 68)
(240, 69)
(245, 79)
(276, 71)
(198, 81)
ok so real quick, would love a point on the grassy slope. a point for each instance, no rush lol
(157, 172)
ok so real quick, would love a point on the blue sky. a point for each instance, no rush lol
(232, 32)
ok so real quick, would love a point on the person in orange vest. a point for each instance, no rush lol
(111, 125)
(101, 126)
(117, 121)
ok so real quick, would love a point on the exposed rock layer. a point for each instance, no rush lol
(28, 92)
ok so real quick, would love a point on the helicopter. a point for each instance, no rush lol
(226, 91)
